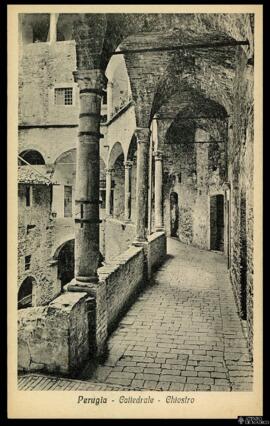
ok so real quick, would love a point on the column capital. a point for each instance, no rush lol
(91, 79)
(109, 171)
(158, 155)
(142, 134)
(128, 164)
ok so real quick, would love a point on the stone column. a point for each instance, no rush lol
(143, 141)
(158, 191)
(91, 84)
(128, 165)
(108, 191)
(53, 27)
(109, 100)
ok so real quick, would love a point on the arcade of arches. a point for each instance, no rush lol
(174, 159)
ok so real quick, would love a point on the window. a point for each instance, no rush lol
(63, 96)
(29, 227)
(27, 263)
(28, 196)
(104, 101)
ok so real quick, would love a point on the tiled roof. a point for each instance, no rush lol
(35, 175)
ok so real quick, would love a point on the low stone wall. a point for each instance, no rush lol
(156, 251)
(61, 336)
(54, 338)
(118, 237)
(123, 277)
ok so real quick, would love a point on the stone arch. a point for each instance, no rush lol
(192, 92)
(67, 157)
(31, 156)
(59, 244)
(115, 151)
(132, 149)
(26, 292)
(118, 88)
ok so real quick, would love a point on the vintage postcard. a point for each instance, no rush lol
(135, 187)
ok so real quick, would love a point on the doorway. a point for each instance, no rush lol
(217, 223)
(25, 295)
(66, 263)
(174, 214)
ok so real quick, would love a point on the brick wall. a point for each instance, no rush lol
(123, 277)
(54, 338)
(156, 251)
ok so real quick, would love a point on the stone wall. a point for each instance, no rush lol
(43, 67)
(195, 172)
(54, 338)
(37, 242)
(157, 250)
(123, 277)
(241, 179)
(117, 237)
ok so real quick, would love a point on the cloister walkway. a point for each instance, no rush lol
(183, 332)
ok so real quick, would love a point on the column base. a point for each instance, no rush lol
(159, 229)
(82, 285)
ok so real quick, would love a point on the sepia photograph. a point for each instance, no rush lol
(134, 153)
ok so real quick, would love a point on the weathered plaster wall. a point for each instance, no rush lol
(54, 338)
(118, 236)
(38, 243)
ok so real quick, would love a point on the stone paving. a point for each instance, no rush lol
(183, 332)
(38, 382)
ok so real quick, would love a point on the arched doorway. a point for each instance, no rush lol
(25, 294)
(116, 163)
(217, 222)
(174, 214)
(66, 263)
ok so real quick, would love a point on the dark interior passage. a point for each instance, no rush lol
(174, 210)
(25, 293)
(217, 223)
(66, 263)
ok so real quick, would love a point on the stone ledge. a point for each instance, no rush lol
(48, 336)
(155, 236)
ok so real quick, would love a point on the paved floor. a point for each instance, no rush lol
(37, 382)
(183, 332)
